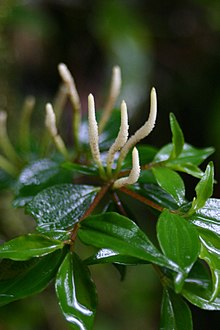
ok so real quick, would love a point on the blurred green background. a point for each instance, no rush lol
(172, 45)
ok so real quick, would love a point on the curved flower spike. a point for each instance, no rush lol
(134, 174)
(113, 95)
(93, 133)
(142, 132)
(50, 123)
(121, 138)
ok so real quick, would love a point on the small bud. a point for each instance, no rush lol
(134, 174)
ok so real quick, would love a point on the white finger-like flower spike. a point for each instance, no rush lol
(134, 174)
(50, 120)
(121, 138)
(142, 132)
(93, 132)
(113, 95)
(70, 84)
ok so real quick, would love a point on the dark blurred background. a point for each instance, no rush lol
(172, 45)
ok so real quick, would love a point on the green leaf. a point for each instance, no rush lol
(189, 155)
(198, 288)
(210, 252)
(179, 242)
(157, 195)
(28, 246)
(36, 177)
(204, 189)
(186, 168)
(177, 137)
(19, 279)
(109, 256)
(79, 169)
(175, 313)
(171, 182)
(208, 217)
(76, 293)
(61, 206)
(118, 233)
(146, 155)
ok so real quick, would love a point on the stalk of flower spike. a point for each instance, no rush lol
(8, 167)
(94, 135)
(50, 123)
(134, 174)
(5, 142)
(74, 98)
(113, 95)
(142, 132)
(121, 138)
(24, 133)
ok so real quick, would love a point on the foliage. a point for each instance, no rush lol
(73, 194)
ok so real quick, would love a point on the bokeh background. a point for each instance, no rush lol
(172, 45)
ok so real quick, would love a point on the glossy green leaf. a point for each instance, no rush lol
(186, 168)
(104, 256)
(210, 252)
(28, 246)
(204, 189)
(61, 206)
(189, 155)
(198, 288)
(177, 137)
(79, 169)
(36, 177)
(208, 217)
(118, 233)
(76, 293)
(157, 195)
(171, 182)
(179, 242)
(19, 279)
(175, 313)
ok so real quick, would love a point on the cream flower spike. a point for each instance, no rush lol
(70, 85)
(134, 174)
(142, 132)
(50, 123)
(113, 95)
(121, 138)
(93, 133)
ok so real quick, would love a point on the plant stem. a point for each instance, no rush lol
(118, 203)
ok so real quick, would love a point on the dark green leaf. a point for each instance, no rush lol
(19, 279)
(210, 252)
(198, 288)
(171, 182)
(76, 293)
(157, 195)
(110, 132)
(109, 256)
(175, 313)
(146, 155)
(36, 177)
(61, 206)
(186, 168)
(208, 217)
(177, 137)
(204, 189)
(189, 155)
(80, 169)
(118, 233)
(28, 246)
(179, 242)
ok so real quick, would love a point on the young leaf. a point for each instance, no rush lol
(177, 137)
(28, 246)
(61, 206)
(171, 182)
(120, 234)
(210, 252)
(19, 279)
(208, 217)
(179, 242)
(76, 293)
(204, 189)
(175, 313)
